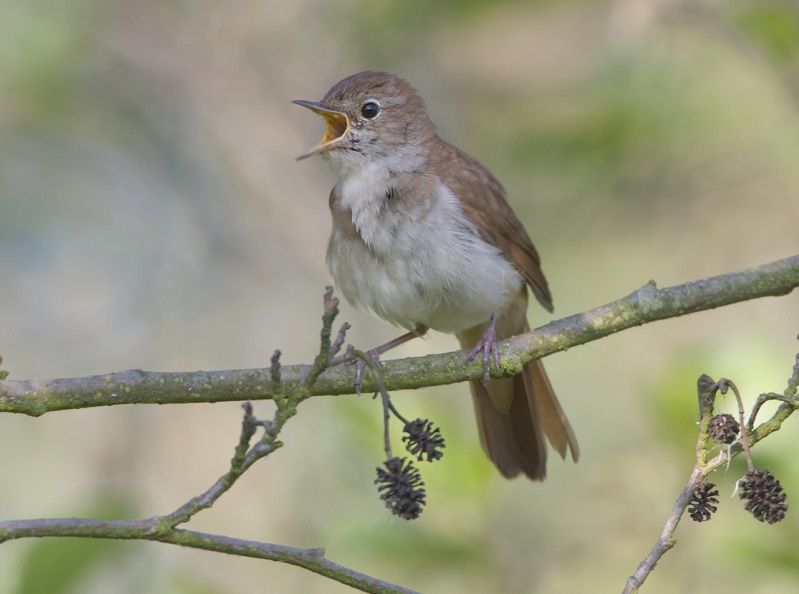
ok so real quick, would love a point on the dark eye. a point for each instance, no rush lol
(370, 110)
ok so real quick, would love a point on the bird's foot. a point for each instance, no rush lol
(371, 358)
(488, 346)
(361, 364)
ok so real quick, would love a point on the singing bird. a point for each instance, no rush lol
(424, 237)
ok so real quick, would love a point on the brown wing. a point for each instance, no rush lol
(483, 201)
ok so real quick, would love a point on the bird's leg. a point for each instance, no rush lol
(488, 345)
(374, 354)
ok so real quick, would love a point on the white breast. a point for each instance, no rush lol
(428, 266)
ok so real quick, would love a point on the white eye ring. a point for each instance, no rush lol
(370, 109)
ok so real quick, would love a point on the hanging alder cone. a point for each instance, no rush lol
(423, 439)
(400, 485)
(764, 495)
(723, 429)
(704, 502)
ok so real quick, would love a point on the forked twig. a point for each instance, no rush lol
(165, 529)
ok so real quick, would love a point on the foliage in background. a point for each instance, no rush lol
(151, 216)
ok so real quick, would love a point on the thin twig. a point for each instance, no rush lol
(666, 541)
(397, 413)
(385, 398)
(725, 383)
(322, 360)
(793, 381)
(311, 559)
(243, 458)
(706, 389)
(647, 304)
(164, 528)
(339, 342)
(386, 426)
(248, 426)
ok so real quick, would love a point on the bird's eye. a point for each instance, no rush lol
(370, 110)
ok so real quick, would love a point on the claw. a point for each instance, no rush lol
(360, 366)
(488, 346)
(373, 354)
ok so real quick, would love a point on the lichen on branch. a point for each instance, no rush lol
(645, 305)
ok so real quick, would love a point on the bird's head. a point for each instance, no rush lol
(372, 117)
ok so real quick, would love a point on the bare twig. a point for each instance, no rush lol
(339, 342)
(790, 403)
(243, 458)
(666, 541)
(647, 304)
(761, 400)
(322, 361)
(290, 385)
(385, 398)
(164, 528)
(707, 389)
(723, 384)
(397, 413)
(310, 559)
(386, 425)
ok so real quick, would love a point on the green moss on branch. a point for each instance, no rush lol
(647, 304)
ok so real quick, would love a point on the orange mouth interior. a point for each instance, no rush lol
(337, 125)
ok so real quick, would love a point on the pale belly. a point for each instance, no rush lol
(437, 272)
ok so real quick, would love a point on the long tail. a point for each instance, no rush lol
(515, 414)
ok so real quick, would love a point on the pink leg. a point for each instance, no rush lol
(488, 345)
(374, 354)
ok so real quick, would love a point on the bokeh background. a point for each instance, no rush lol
(152, 216)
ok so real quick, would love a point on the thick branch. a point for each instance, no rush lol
(647, 304)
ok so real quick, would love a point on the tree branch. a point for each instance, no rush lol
(666, 540)
(310, 559)
(707, 389)
(289, 386)
(164, 528)
(647, 304)
(706, 393)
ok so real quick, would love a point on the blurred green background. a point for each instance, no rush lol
(152, 215)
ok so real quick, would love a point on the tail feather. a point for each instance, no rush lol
(514, 415)
(510, 438)
(525, 431)
(556, 426)
(493, 430)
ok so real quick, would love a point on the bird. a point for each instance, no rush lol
(423, 236)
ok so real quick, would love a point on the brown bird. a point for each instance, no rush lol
(424, 237)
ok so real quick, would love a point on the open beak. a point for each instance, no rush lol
(337, 126)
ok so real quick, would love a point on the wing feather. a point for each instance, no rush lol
(484, 203)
